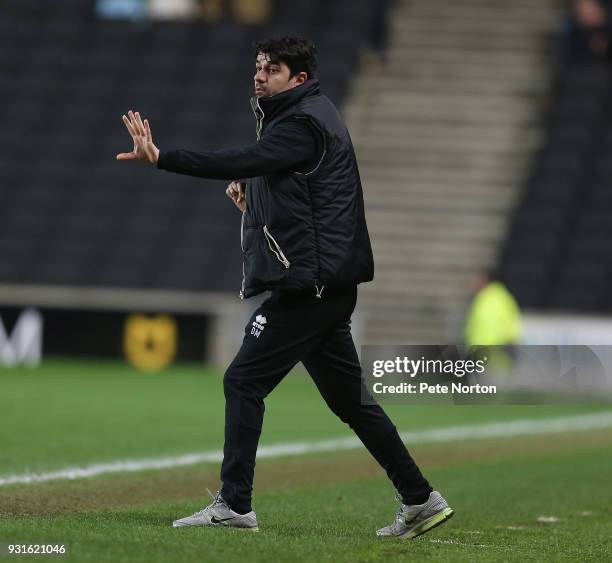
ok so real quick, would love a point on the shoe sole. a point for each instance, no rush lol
(220, 526)
(429, 524)
(234, 528)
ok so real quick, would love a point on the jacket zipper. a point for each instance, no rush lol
(259, 116)
(242, 248)
(277, 249)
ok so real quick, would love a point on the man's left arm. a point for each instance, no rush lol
(292, 145)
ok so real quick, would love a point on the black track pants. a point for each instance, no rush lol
(292, 327)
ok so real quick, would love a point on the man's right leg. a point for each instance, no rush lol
(252, 375)
(276, 337)
(270, 348)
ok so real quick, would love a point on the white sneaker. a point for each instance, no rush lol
(219, 514)
(416, 519)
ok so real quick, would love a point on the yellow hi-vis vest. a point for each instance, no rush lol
(494, 318)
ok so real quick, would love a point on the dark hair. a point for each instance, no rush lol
(300, 55)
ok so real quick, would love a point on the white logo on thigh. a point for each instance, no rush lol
(258, 325)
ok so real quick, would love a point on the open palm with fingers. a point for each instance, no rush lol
(144, 150)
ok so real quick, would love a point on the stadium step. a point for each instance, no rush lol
(444, 131)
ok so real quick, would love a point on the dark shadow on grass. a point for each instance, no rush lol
(131, 518)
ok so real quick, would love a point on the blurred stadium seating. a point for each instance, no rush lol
(70, 215)
(448, 123)
(446, 133)
(557, 256)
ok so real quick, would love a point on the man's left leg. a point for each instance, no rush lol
(334, 367)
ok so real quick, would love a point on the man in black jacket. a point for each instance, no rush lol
(304, 238)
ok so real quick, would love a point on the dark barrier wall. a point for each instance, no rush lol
(136, 336)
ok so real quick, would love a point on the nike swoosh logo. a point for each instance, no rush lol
(414, 517)
(216, 520)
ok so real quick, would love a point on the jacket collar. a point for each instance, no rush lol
(266, 108)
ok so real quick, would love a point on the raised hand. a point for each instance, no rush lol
(144, 150)
(235, 191)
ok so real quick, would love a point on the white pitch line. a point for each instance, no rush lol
(455, 542)
(548, 519)
(507, 429)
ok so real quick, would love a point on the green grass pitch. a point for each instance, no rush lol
(535, 498)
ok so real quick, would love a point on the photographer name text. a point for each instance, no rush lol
(422, 388)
